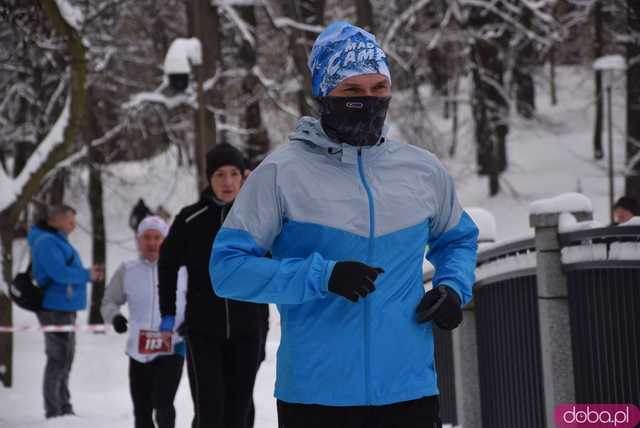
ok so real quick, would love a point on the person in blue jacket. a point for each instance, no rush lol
(346, 213)
(57, 268)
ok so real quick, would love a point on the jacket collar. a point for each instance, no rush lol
(309, 130)
(208, 197)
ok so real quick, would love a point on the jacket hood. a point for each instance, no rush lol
(37, 231)
(310, 129)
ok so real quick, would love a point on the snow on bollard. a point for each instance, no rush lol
(486, 223)
(568, 223)
(566, 202)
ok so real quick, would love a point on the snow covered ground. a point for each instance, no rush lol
(549, 155)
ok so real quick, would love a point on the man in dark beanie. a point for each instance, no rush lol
(624, 209)
(223, 336)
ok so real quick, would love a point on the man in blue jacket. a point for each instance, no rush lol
(347, 213)
(57, 268)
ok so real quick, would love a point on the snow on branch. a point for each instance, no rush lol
(405, 16)
(283, 22)
(82, 153)
(507, 19)
(157, 98)
(239, 22)
(236, 3)
(188, 98)
(70, 13)
(235, 129)
(271, 87)
(12, 187)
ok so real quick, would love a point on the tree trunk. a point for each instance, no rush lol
(552, 76)
(364, 13)
(99, 250)
(454, 112)
(597, 52)
(632, 178)
(490, 111)
(11, 215)
(6, 339)
(258, 140)
(300, 42)
(96, 203)
(524, 66)
(204, 23)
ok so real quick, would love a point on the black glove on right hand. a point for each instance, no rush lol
(353, 280)
(441, 305)
(119, 324)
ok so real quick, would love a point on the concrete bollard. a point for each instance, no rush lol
(465, 355)
(465, 361)
(553, 307)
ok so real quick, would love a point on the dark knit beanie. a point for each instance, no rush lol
(628, 204)
(224, 154)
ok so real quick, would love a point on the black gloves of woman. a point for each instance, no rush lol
(442, 306)
(353, 280)
(119, 324)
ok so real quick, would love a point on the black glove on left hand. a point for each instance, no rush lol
(119, 324)
(441, 305)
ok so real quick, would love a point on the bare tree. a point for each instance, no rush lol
(489, 100)
(257, 145)
(598, 45)
(300, 42)
(632, 175)
(364, 12)
(23, 184)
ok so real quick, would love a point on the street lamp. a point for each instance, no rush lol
(609, 64)
(183, 54)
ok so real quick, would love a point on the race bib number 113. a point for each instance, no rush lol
(154, 342)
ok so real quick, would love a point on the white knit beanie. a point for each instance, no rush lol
(153, 223)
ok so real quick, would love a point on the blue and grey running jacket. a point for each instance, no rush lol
(313, 202)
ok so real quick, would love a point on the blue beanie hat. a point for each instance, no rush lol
(341, 51)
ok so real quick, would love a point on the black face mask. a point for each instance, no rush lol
(353, 120)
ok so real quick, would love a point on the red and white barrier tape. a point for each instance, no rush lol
(55, 328)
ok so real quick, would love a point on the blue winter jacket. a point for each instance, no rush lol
(57, 268)
(313, 202)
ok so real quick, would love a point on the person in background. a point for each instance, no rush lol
(58, 270)
(139, 211)
(624, 209)
(346, 213)
(153, 378)
(224, 336)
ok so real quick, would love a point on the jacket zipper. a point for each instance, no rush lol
(153, 295)
(226, 301)
(372, 230)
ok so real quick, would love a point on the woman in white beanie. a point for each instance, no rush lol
(153, 376)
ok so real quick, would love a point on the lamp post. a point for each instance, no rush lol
(183, 55)
(609, 64)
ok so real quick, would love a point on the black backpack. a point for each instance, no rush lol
(25, 292)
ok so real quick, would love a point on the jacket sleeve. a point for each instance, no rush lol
(238, 267)
(453, 241)
(52, 260)
(171, 259)
(114, 296)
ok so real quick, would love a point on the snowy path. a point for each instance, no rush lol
(99, 384)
